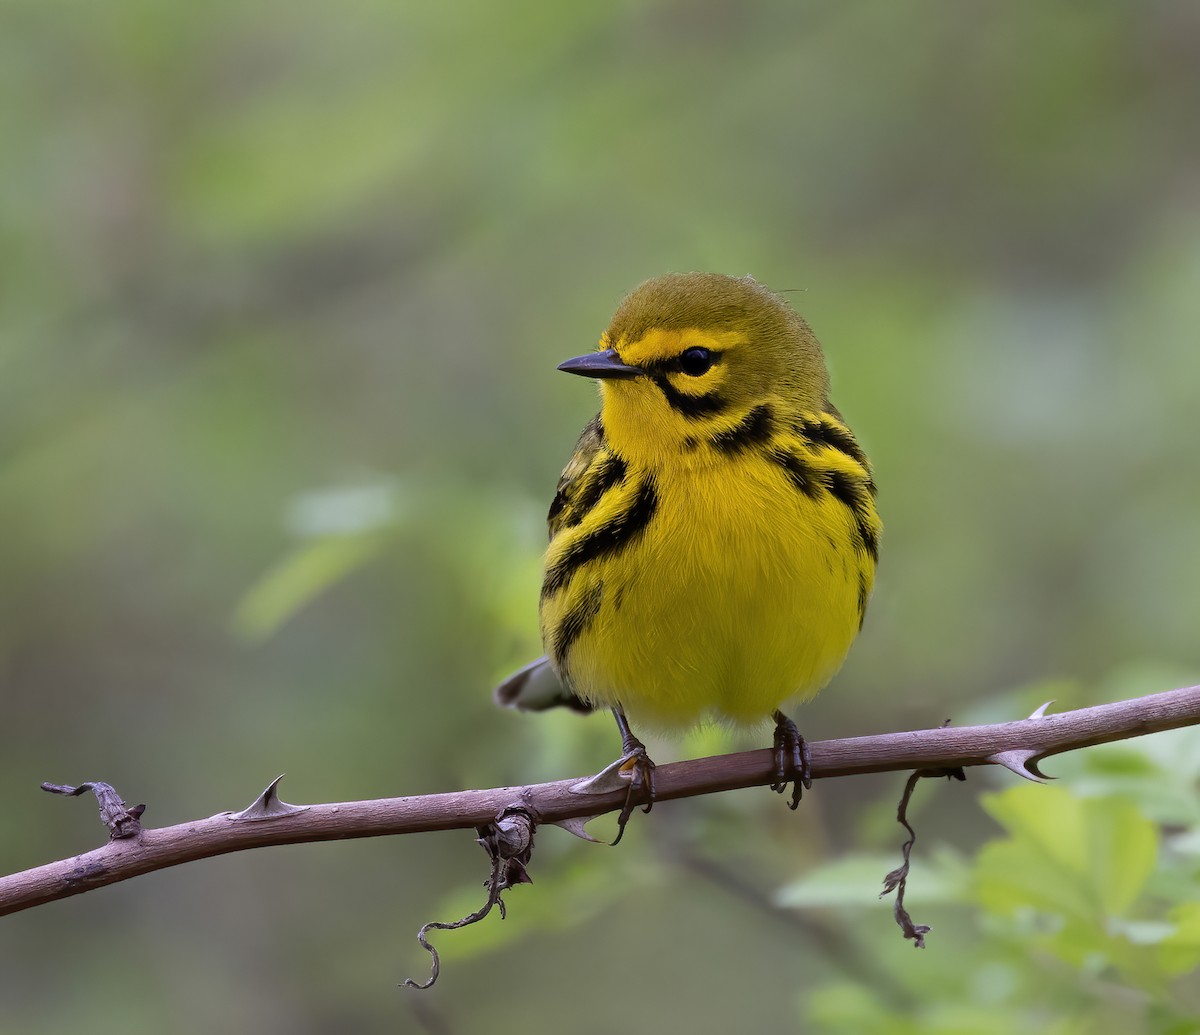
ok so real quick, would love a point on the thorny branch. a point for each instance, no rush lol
(570, 803)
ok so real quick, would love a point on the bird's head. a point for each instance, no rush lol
(689, 355)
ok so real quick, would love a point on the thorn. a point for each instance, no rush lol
(578, 827)
(1040, 713)
(630, 773)
(611, 778)
(1023, 762)
(267, 805)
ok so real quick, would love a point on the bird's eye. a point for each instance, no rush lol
(696, 361)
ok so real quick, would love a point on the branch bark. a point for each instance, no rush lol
(1017, 745)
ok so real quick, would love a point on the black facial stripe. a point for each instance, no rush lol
(691, 406)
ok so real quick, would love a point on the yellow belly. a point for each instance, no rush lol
(740, 594)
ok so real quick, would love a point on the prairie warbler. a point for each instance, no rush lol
(714, 537)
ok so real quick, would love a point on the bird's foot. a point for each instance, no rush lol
(637, 763)
(793, 763)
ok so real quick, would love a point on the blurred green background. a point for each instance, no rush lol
(282, 291)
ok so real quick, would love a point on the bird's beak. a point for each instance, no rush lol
(606, 364)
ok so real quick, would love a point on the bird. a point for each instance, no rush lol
(714, 536)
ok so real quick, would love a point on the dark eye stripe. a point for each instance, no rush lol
(674, 365)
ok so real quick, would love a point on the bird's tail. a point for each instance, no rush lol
(537, 687)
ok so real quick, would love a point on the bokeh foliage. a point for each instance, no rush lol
(283, 288)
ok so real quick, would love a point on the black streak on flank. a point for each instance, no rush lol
(862, 597)
(823, 433)
(855, 493)
(577, 621)
(752, 430)
(604, 540)
(609, 471)
(801, 475)
(869, 538)
(691, 406)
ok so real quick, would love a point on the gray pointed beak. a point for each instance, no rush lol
(606, 364)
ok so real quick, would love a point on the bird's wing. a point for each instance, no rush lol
(535, 688)
(572, 480)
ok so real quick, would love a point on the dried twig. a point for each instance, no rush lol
(121, 821)
(509, 843)
(897, 880)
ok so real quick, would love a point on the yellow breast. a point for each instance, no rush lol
(737, 592)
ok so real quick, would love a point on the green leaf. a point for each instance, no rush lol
(1159, 772)
(1122, 851)
(1083, 858)
(1180, 951)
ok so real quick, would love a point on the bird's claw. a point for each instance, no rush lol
(637, 763)
(793, 762)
